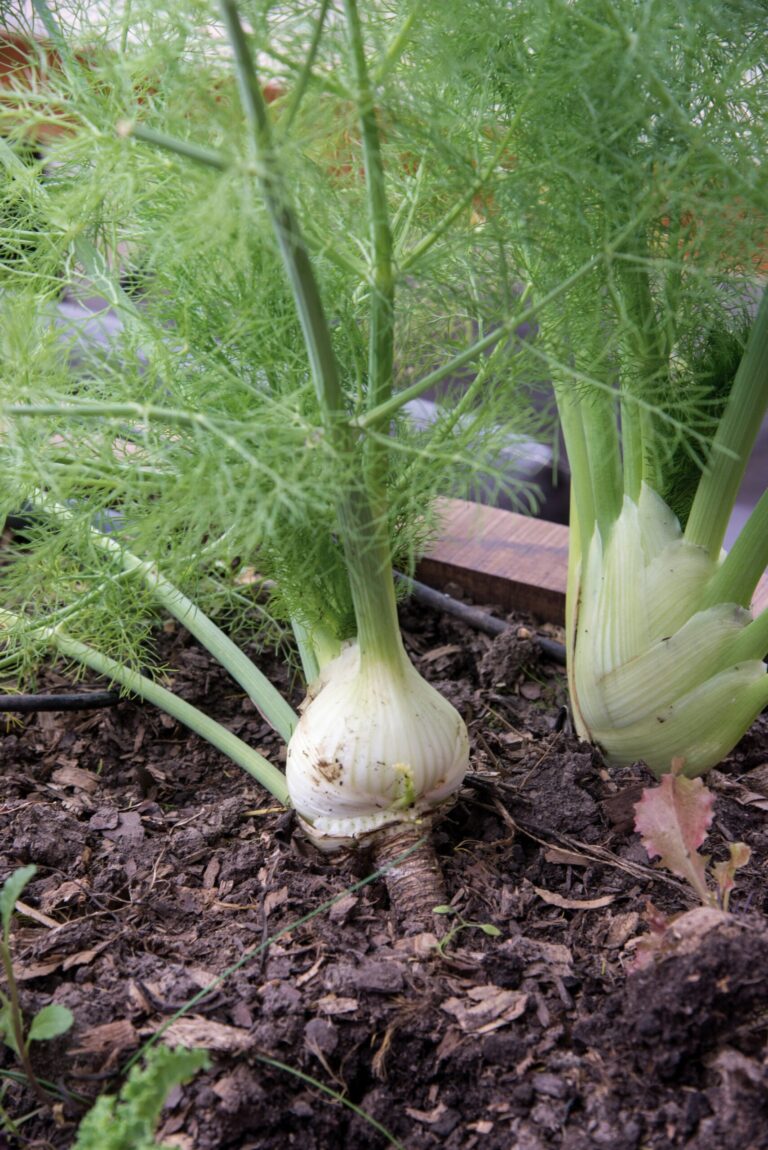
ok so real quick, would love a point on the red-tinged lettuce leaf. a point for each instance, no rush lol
(673, 819)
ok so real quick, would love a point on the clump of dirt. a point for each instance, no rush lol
(161, 864)
(508, 658)
(714, 972)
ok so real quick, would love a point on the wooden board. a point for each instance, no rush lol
(512, 560)
(500, 557)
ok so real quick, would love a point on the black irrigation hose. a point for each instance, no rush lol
(71, 701)
(474, 617)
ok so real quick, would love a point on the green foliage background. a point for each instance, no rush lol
(613, 146)
(198, 425)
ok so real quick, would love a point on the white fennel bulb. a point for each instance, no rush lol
(376, 744)
(655, 672)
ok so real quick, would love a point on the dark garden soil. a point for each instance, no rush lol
(160, 865)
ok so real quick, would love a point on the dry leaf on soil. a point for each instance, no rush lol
(574, 903)
(202, 1032)
(486, 1008)
(110, 1038)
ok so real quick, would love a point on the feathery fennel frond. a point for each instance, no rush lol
(182, 407)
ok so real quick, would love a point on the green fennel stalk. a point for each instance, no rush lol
(644, 147)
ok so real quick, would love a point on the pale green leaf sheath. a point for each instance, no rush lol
(654, 671)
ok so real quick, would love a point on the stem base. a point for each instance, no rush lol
(415, 884)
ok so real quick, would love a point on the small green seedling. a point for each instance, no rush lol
(460, 924)
(127, 1121)
(51, 1020)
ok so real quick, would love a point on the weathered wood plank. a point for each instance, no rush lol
(513, 560)
(501, 557)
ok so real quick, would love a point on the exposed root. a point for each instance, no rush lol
(415, 884)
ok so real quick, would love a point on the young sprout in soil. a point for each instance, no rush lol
(636, 136)
(129, 1121)
(293, 228)
(50, 1021)
(460, 924)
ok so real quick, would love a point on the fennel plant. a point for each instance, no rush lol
(636, 138)
(282, 271)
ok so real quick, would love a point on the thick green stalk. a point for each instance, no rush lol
(371, 571)
(366, 518)
(649, 360)
(362, 521)
(278, 713)
(382, 318)
(570, 410)
(752, 642)
(217, 735)
(572, 603)
(733, 442)
(310, 663)
(598, 413)
(582, 526)
(369, 565)
(316, 648)
(738, 575)
(285, 226)
(632, 447)
(649, 433)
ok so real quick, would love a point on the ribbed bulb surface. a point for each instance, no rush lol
(373, 746)
(652, 674)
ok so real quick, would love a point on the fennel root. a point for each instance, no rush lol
(414, 884)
